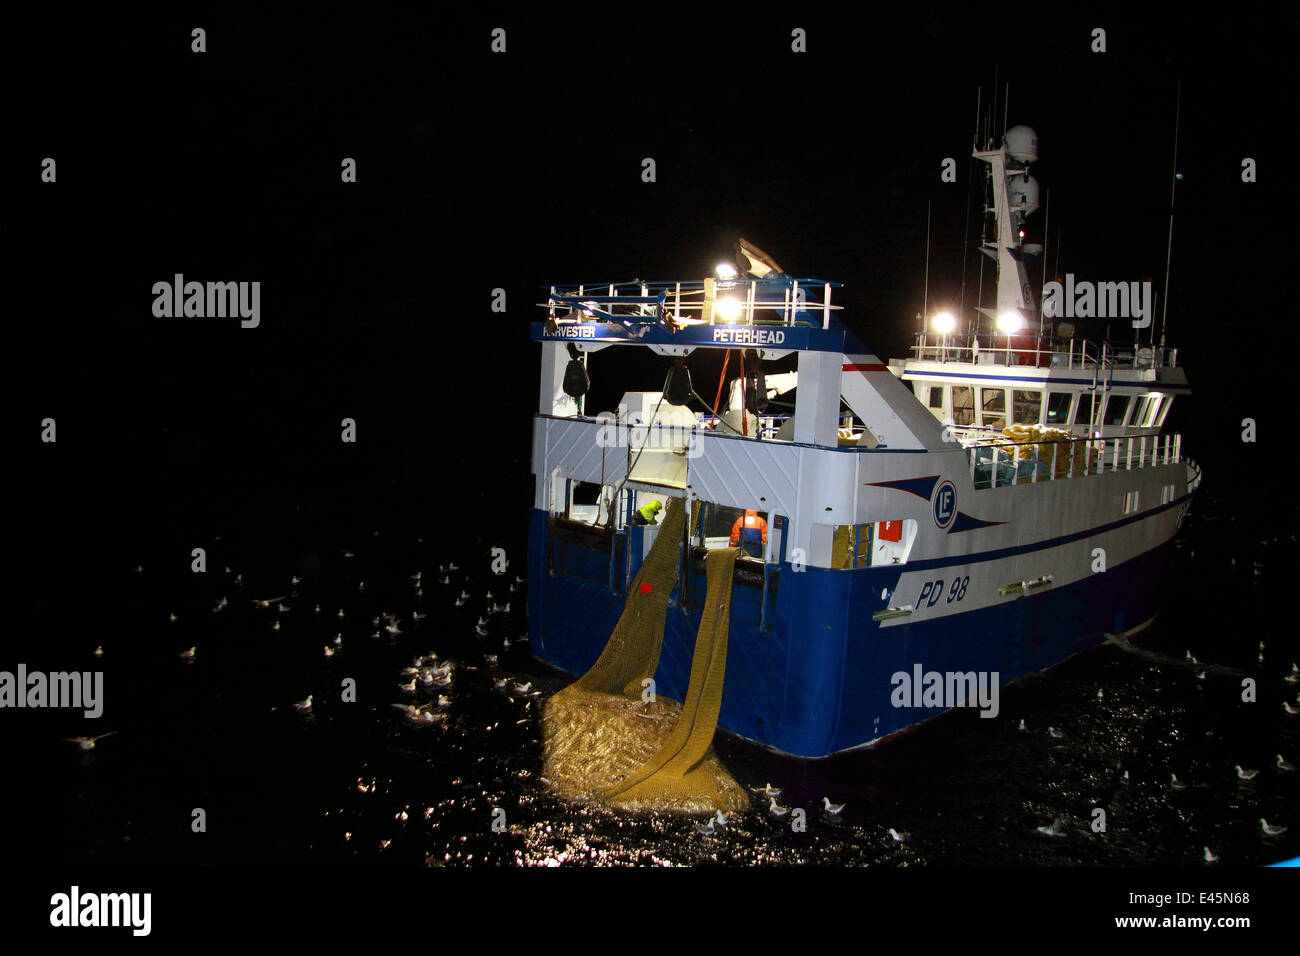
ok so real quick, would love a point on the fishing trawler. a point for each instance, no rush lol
(975, 510)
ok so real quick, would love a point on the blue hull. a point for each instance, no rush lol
(816, 677)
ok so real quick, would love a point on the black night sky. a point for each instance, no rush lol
(477, 171)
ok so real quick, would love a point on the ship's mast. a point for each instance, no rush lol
(1015, 196)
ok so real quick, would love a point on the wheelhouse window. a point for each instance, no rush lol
(936, 396)
(1116, 409)
(1058, 408)
(993, 405)
(1026, 406)
(1153, 410)
(1140, 409)
(963, 405)
(1164, 410)
(1083, 414)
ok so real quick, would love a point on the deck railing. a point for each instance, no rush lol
(734, 301)
(1040, 351)
(996, 463)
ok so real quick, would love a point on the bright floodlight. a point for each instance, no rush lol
(729, 308)
(943, 323)
(1010, 321)
(725, 270)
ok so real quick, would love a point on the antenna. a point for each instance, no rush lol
(1042, 286)
(925, 300)
(970, 186)
(1006, 110)
(1173, 187)
(993, 111)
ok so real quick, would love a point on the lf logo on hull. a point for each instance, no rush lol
(945, 504)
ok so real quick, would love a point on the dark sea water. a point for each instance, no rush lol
(353, 783)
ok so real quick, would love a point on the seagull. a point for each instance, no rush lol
(720, 818)
(329, 652)
(1286, 705)
(275, 626)
(518, 579)
(348, 554)
(460, 601)
(1201, 676)
(1099, 694)
(775, 810)
(338, 640)
(523, 688)
(88, 743)
(1283, 765)
(1190, 658)
(295, 580)
(99, 651)
(490, 660)
(768, 790)
(417, 617)
(393, 629)
(221, 603)
(1246, 774)
(138, 569)
(1126, 776)
(267, 602)
(407, 688)
(482, 622)
(488, 596)
(1175, 784)
(706, 828)
(832, 808)
(478, 629)
(1052, 731)
(1023, 729)
(505, 643)
(340, 612)
(188, 655)
(172, 618)
(303, 706)
(500, 683)
(453, 566)
(1294, 676)
(444, 700)
(1269, 829)
(417, 575)
(464, 596)
(1209, 856)
(896, 836)
(446, 579)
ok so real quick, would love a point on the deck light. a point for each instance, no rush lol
(729, 308)
(1010, 322)
(725, 270)
(943, 323)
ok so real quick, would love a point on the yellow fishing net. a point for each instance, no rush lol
(602, 740)
(1053, 441)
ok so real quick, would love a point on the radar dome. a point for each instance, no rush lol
(1022, 144)
(1022, 191)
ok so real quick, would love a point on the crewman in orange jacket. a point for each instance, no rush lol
(749, 533)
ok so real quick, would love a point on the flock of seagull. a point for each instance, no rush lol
(427, 682)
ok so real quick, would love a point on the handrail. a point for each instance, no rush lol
(1031, 349)
(1006, 453)
(693, 300)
